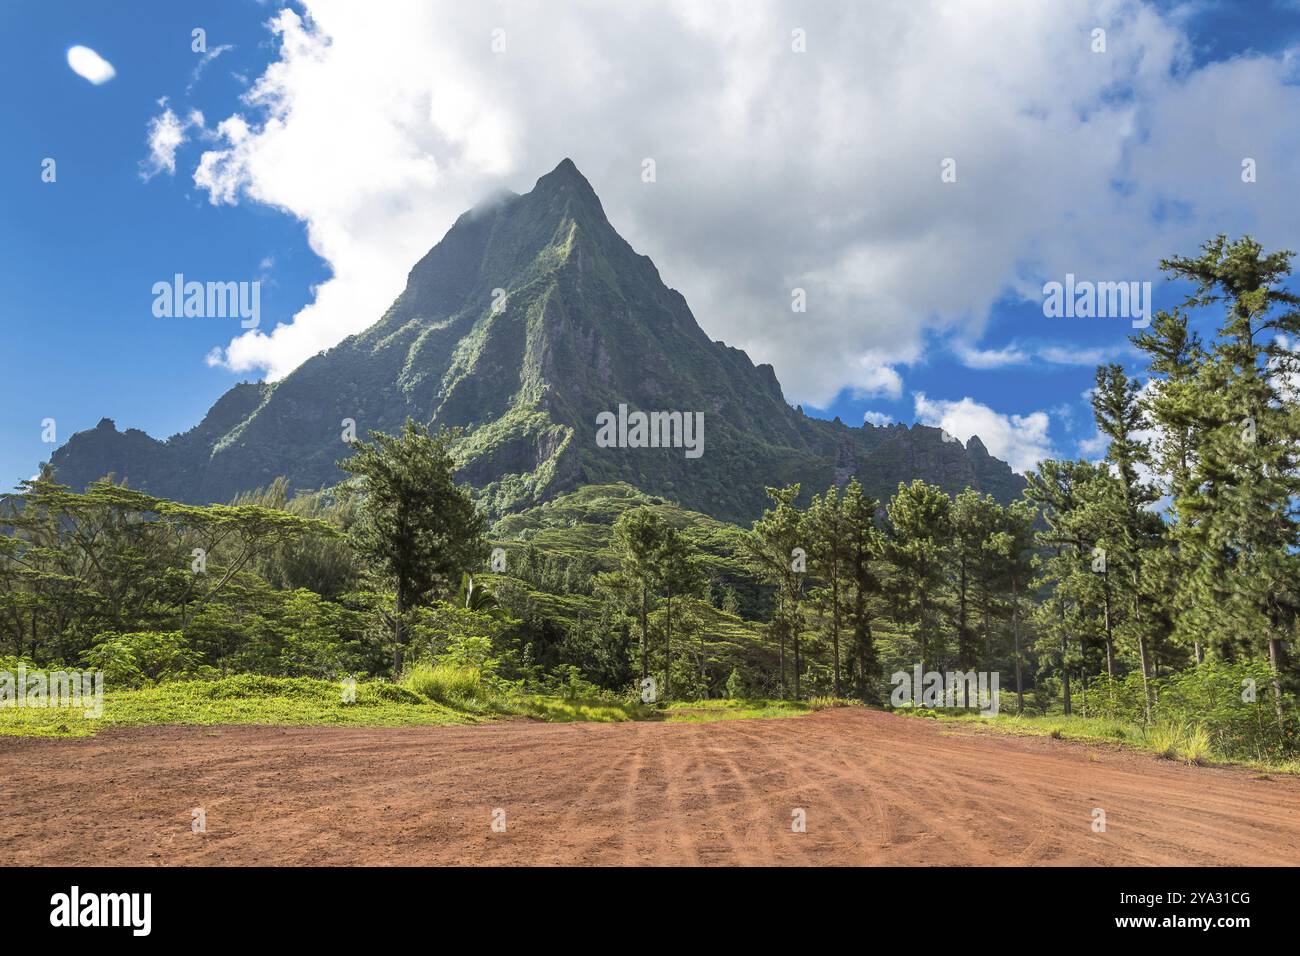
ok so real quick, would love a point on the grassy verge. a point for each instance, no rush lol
(435, 696)
(244, 699)
(706, 711)
(1185, 743)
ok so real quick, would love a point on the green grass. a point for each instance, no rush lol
(1186, 742)
(428, 695)
(707, 711)
(563, 710)
(243, 699)
(458, 687)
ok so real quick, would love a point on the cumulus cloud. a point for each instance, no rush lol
(776, 169)
(1019, 440)
(1093, 448)
(167, 133)
(873, 380)
(877, 418)
(89, 65)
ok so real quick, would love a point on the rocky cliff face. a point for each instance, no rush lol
(528, 320)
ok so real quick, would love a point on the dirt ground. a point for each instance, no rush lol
(874, 789)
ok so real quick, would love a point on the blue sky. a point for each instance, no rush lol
(332, 188)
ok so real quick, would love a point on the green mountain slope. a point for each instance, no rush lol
(530, 318)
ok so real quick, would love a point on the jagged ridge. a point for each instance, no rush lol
(586, 323)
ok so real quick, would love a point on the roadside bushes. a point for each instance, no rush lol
(447, 683)
(1223, 707)
(143, 657)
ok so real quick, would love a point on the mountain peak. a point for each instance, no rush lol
(565, 176)
(585, 326)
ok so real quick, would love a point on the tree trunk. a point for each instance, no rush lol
(1142, 645)
(924, 619)
(399, 633)
(1110, 635)
(796, 663)
(963, 635)
(1083, 673)
(988, 631)
(835, 633)
(1275, 663)
(780, 636)
(1065, 667)
(668, 646)
(645, 636)
(1146, 685)
(1015, 635)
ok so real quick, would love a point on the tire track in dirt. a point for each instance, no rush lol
(810, 774)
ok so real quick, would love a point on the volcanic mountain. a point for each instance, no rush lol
(527, 321)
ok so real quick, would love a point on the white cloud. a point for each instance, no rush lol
(89, 65)
(1015, 354)
(1094, 447)
(990, 358)
(775, 169)
(167, 133)
(877, 418)
(1285, 368)
(1019, 440)
(1068, 355)
(876, 381)
(202, 65)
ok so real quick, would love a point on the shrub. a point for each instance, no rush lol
(445, 683)
(1179, 741)
(142, 657)
(823, 703)
(1229, 705)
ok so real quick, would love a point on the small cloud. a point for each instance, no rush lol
(1013, 354)
(877, 418)
(1063, 413)
(875, 381)
(167, 133)
(89, 65)
(990, 358)
(1059, 355)
(208, 57)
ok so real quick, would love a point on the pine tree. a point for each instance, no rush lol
(418, 527)
(974, 518)
(1173, 408)
(677, 574)
(1009, 552)
(865, 552)
(1120, 419)
(1244, 483)
(827, 524)
(638, 536)
(920, 528)
(772, 549)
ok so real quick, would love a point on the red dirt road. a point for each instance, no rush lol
(876, 789)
